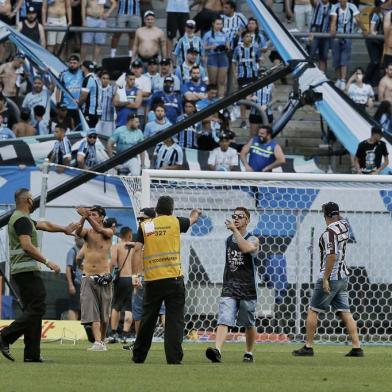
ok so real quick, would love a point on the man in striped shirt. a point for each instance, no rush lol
(233, 22)
(91, 96)
(168, 155)
(128, 16)
(320, 24)
(344, 19)
(331, 287)
(106, 124)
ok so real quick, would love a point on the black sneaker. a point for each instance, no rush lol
(38, 360)
(355, 352)
(128, 347)
(304, 352)
(213, 354)
(5, 350)
(248, 358)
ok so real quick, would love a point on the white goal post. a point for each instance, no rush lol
(286, 216)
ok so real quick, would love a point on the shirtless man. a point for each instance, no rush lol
(94, 15)
(122, 298)
(24, 127)
(150, 41)
(56, 13)
(96, 287)
(387, 39)
(9, 73)
(385, 85)
(208, 11)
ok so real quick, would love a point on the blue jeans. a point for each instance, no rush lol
(337, 298)
(231, 309)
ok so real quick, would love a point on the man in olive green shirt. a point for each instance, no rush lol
(25, 260)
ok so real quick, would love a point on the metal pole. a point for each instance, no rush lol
(298, 279)
(7, 264)
(146, 190)
(42, 201)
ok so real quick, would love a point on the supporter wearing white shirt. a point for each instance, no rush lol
(168, 155)
(361, 93)
(224, 157)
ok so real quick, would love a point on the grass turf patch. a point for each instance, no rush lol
(275, 369)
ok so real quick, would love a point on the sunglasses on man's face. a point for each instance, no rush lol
(92, 136)
(238, 216)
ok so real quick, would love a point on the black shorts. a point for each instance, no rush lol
(74, 300)
(274, 55)
(175, 21)
(92, 119)
(204, 19)
(257, 119)
(122, 296)
(74, 115)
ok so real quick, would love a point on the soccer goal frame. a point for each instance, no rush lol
(286, 216)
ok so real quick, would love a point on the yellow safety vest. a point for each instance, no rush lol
(161, 256)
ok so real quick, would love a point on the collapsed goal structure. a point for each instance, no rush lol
(286, 216)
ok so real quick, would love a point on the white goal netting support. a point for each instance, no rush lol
(286, 217)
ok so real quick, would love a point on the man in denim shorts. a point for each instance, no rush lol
(238, 298)
(331, 287)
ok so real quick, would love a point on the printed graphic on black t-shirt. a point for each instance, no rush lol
(370, 155)
(239, 275)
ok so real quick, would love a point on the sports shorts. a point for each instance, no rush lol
(95, 301)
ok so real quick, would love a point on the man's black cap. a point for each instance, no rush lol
(166, 61)
(330, 209)
(146, 213)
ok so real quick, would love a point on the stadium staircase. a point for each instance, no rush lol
(302, 135)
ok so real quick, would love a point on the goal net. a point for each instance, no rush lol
(286, 217)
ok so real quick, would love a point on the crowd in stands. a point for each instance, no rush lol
(174, 73)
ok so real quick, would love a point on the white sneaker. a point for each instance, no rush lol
(98, 346)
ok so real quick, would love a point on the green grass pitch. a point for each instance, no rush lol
(275, 369)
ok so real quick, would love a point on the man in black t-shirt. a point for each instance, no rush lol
(370, 153)
(238, 298)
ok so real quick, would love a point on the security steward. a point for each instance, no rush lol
(164, 279)
(25, 260)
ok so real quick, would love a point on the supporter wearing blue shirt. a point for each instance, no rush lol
(246, 59)
(170, 100)
(320, 22)
(183, 71)
(62, 149)
(216, 44)
(189, 41)
(160, 122)
(188, 137)
(212, 97)
(127, 100)
(195, 89)
(127, 136)
(91, 96)
(87, 153)
(72, 79)
(344, 18)
(264, 153)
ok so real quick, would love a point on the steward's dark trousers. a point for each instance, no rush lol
(172, 291)
(32, 293)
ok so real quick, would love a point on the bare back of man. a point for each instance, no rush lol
(122, 256)
(23, 129)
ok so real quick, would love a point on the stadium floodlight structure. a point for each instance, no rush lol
(286, 216)
(349, 123)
